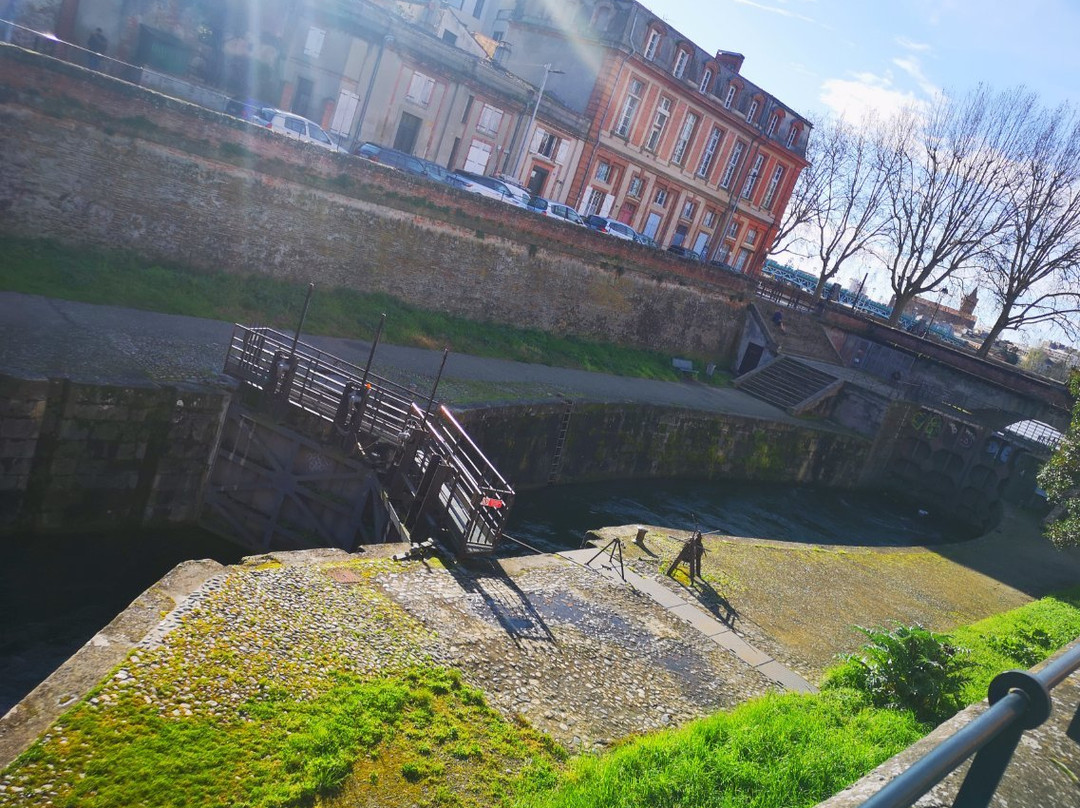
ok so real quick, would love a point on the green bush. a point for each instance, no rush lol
(906, 668)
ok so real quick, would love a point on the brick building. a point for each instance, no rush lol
(680, 145)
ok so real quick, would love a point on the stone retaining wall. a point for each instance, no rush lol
(634, 441)
(86, 456)
(90, 160)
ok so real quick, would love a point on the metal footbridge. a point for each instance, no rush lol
(408, 456)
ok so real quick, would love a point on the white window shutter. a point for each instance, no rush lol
(538, 135)
(564, 146)
(605, 208)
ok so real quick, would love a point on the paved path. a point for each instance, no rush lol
(690, 612)
(46, 337)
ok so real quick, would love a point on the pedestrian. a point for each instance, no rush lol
(778, 320)
(97, 44)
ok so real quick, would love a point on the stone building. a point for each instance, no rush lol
(680, 144)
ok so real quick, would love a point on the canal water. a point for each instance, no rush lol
(57, 592)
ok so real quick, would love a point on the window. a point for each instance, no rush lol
(663, 112)
(774, 184)
(630, 105)
(730, 97)
(652, 44)
(549, 144)
(774, 122)
(449, 37)
(490, 120)
(752, 177)
(681, 58)
(709, 219)
(468, 109)
(732, 164)
(314, 43)
(596, 199)
(742, 259)
(344, 112)
(750, 113)
(689, 209)
(660, 198)
(420, 89)
(733, 229)
(478, 9)
(635, 187)
(706, 80)
(603, 171)
(751, 236)
(710, 152)
(793, 135)
(479, 154)
(685, 135)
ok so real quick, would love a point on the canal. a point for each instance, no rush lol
(57, 591)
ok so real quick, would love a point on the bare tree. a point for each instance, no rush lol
(944, 187)
(847, 217)
(803, 205)
(1033, 267)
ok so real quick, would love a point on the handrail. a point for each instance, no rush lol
(1019, 700)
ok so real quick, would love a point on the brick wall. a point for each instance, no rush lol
(93, 161)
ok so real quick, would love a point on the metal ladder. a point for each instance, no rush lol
(560, 443)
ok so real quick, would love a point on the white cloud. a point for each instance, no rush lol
(783, 12)
(911, 45)
(913, 68)
(865, 93)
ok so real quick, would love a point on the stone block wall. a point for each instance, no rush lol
(89, 160)
(612, 442)
(87, 456)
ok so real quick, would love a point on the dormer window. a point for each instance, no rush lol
(681, 59)
(774, 123)
(752, 112)
(730, 97)
(793, 135)
(652, 44)
(706, 80)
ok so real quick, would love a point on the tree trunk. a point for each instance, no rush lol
(991, 338)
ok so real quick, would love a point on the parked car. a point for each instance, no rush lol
(716, 262)
(249, 109)
(611, 227)
(646, 241)
(683, 252)
(492, 188)
(297, 128)
(409, 163)
(557, 210)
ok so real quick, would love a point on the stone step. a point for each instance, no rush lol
(787, 383)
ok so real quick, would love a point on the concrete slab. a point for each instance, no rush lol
(700, 620)
(741, 648)
(786, 677)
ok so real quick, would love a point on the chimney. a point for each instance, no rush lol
(730, 59)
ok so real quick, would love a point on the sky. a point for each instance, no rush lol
(848, 56)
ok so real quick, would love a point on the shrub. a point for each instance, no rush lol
(907, 668)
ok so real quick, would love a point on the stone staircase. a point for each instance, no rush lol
(789, 384)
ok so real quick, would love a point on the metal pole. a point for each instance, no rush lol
(431, 398)
(303, 316)
(374, 345)
(532, 120)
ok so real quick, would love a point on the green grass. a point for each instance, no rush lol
(785, 750)
(120, 279)
(789, 751)
(412, 734)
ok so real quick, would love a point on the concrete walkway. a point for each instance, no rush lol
(46, 337)
(716, 630)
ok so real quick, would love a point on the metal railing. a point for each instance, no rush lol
(439, 475)
(1019, 700)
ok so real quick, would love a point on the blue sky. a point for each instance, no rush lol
(849, 56)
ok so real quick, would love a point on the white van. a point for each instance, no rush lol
(298, 128)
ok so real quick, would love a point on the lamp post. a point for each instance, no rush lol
(532, 118)
(942, 292)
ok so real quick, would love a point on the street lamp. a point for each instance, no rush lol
(942, 292)
(532, 119)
